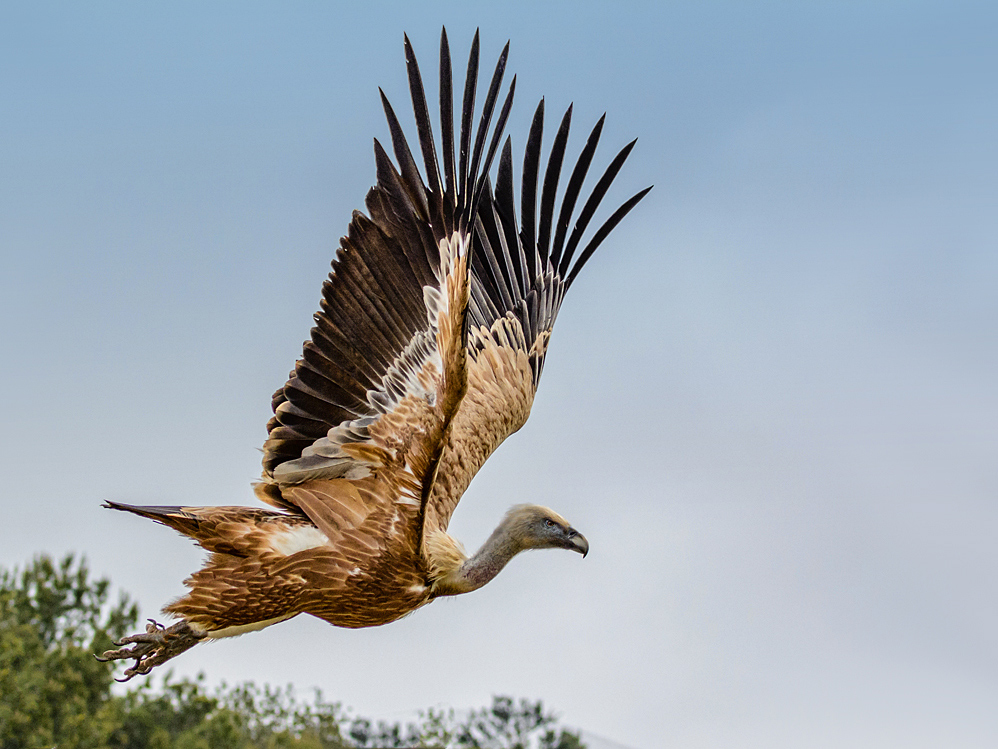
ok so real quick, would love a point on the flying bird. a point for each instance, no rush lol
(426, 353)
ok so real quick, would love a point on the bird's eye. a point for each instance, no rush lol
(548, 523)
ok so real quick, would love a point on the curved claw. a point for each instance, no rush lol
(151, 648)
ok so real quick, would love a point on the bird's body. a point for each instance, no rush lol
(426, 354)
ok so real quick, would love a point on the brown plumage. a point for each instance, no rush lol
(426, 354)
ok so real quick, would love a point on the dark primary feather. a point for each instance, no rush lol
(528, 193)
(373, 305)
(592, 204)
(574, 188)
(447, 115)
(513, 271)
(467, 115)
(422, 115)
(551, 176)
(516, 261)
(487, 110)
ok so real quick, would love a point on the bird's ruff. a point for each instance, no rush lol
(444, 555)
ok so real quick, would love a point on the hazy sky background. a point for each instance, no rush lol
(770, 401)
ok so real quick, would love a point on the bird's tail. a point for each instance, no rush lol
(179, 518)
(239, 531)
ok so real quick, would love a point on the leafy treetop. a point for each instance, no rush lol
(53, 692)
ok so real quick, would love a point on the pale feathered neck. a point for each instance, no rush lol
(452, 572)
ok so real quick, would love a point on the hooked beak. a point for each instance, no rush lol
(577, 542)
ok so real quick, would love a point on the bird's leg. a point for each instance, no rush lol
(155, 646)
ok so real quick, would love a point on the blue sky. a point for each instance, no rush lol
(770, 401)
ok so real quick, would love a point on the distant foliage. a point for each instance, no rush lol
(505, 725)
(53, 617)
(53, 692)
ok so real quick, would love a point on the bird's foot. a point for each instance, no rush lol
(155, 646)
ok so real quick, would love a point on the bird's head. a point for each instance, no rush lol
(536, 527)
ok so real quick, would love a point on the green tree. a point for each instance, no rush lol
(272, 717)
(53, 617)
(509, 724)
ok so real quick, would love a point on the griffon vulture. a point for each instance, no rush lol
(425, 356)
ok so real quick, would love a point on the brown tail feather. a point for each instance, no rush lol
(174, 517)
(239, 531)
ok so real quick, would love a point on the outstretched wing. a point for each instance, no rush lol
(385, 368)
(519, 279)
